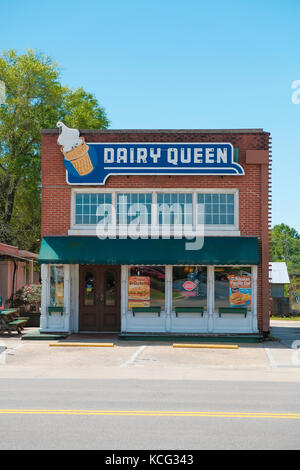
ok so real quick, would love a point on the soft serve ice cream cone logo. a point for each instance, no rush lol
(74, 149)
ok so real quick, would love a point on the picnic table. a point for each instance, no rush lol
(10, 321)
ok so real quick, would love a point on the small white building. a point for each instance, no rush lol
(279, 277)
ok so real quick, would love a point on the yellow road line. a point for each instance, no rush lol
(183, 414)
(82, 345)
(206, 346)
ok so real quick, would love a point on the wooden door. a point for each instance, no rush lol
(99, 298)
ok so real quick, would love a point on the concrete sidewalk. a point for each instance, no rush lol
(272, 360)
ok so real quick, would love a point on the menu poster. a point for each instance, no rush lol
(240, 291)
(138, 291)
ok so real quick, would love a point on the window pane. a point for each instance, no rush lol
(56, 286)
(175, 208)
(134, 208)
(110, 288)
(146, 286)
(89, 204)
(189, 286)
(233, 287)
(218, 209)
(89, 289)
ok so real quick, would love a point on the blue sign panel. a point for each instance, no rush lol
(97, 161)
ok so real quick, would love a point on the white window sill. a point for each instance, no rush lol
(221, 232)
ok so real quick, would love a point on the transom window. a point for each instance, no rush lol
(133, 205)
(92, 208)
(157, 208)
(175, 208)
(217, 209)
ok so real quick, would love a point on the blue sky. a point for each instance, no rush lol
(179, 64)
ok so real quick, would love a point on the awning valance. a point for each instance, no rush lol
(92, 250)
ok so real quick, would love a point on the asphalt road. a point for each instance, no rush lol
(262, 428)
(136, 397)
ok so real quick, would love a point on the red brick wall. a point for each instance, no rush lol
(253, 188)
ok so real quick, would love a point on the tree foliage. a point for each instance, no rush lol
(35, 99)
(286, 246)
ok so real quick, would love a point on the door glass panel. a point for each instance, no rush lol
(110, 288)
(89, 289)
(56, 286)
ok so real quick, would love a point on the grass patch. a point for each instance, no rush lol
(285, 318)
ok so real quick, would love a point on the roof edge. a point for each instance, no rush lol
(168, 131)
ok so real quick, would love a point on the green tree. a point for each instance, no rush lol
(34, 99)
(286, 246)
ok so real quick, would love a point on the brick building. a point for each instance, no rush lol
(157, 284)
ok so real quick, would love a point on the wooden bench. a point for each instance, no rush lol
(17, 325)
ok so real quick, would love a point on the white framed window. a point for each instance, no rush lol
(216, 208)
(86, 208)
(129, 205)
(175, 208)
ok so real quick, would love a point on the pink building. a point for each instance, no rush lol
(13, 271)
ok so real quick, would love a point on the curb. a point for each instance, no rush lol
(82, 345)
(206, 346)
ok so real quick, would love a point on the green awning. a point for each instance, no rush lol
(92, 250)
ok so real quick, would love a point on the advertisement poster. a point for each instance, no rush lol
(189, 288)
(239, 291)
(138, 291)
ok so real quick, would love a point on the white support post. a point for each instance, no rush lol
(45, 295)
(254, 299)
(168, 297)
(74, 319)
(67, 297)
(124, 297)
(210, 297)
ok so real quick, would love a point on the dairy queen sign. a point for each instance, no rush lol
(92, 163)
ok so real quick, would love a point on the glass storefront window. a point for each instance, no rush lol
(56, 286)
(189, 286)
(233, 287)
(146, 286)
